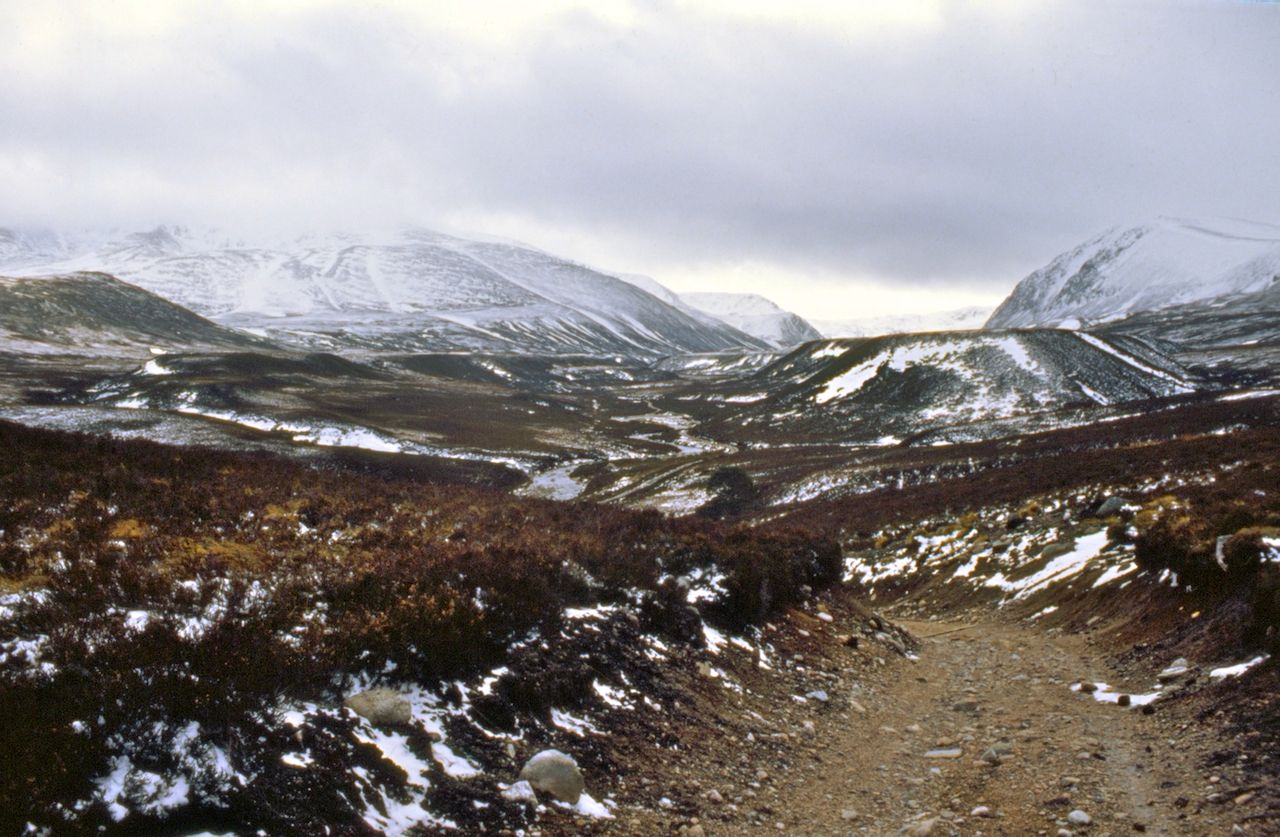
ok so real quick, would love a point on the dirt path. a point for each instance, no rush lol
(988, 686)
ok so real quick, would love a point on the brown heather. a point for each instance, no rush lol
(310, 575)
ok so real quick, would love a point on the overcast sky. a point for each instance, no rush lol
(844, 158)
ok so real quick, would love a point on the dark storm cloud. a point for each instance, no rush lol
(967, 149)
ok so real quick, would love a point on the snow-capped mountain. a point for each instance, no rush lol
(1145, 268)
(757, 316)
(408, 291)
(24, 247)
(958, 319)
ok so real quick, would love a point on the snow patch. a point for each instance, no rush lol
(1239, 668)
(571, 723)
(1058, 569)
(1105, 694)
(1112, 573)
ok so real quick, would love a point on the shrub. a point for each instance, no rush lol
(766, 575)
(734, 491)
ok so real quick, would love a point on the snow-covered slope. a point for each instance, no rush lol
(408, 291)
(887, 389)
(755, 315)
(959, 319)
(1158, 265)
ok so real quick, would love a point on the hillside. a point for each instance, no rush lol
(179, 629)
(1233, 340)
(1145, 268)
(93, 313)
(888, 390)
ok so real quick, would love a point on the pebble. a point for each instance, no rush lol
(1078, 817)
(1175, 670)
(520, 791)
(715, 797)
(980, 811)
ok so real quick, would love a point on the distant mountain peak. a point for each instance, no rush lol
(746, 304)
(1128, 270)
(958, 319)
(756, 315)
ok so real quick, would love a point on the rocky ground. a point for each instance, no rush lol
(976, 731)
(982, 735)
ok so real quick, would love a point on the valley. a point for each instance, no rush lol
(750, 579)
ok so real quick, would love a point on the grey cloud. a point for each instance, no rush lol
(970, 153)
